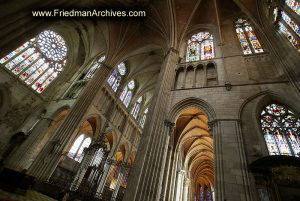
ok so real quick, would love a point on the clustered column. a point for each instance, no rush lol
(145, 182)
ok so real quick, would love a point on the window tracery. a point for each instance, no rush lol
(38, 61)
(96, 64)
(247, 37)
(76, 151)
(127, 93)
(115, 78)
(281, 129)
(136, 108)
(143, 119)
(286, 25)
(200, 47)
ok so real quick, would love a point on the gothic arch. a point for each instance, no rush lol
(192, 102)
(249, 114)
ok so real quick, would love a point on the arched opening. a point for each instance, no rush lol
(194, 144)
(189, 79)
(211, 74)
(200, 76)
(179, 78)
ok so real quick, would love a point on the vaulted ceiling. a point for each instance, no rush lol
(193, 137)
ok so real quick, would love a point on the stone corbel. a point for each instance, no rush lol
(228, 86)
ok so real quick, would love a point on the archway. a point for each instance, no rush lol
(194, 144)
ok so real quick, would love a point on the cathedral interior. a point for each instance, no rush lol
(198, 100)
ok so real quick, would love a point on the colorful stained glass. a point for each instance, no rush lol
(32, 69)
(13, 53)
(247, 37)
(47, 82)
(281, 130)
(112, 77)
(253, 40)
(200, 47)
(289, 36)
(115, 78)
(10, 65)
(42, 79)
(294, 5)
(116, 84)
(127, 93)
(291, 23)
(42, 58)
(244, 43)
(37, 73)
(30, 60)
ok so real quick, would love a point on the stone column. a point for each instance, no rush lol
(230, 158)
(186, 190)
(168, 154)
(49, 157)
(172, 177)
(144, 181)
(24, 156)
(169, 130)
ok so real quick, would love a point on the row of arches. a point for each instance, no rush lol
(196, 76)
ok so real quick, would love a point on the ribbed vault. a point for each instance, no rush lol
(193, 136)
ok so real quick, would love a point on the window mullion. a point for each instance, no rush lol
(288, 142)
(248, 40)
(36, 60)
(291, 13)
(292, 31)
(18, 54)
(15, 66)
(79, 147)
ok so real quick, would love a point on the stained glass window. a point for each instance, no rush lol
(200, 47)
(115, 78)
(291, 23)
(76, 151)
(38, 61)
(281, 130)
(143, 119)
(136, 108)
(127, 93)
(247, 38)
(289, 36)
(96, 64)
(294, 5)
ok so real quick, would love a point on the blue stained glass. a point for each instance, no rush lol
(289, 36)
(291, 23)
(294, 5)
(281, 130)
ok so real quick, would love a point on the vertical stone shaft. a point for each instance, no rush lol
(146, 167)
(21, 159)
(49, 157)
